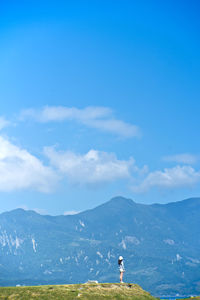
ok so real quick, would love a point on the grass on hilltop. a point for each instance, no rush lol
(77, 291)
(192, 298)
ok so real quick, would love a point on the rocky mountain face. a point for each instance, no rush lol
(160, 245)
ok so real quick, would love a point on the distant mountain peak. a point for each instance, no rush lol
(121, 200)
(16, 211)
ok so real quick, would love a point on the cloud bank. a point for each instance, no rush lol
(94, 167)
(21, 170)
(184, 158)
(170, 178)
(100, 118)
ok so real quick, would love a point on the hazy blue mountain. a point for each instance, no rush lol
(160, 244)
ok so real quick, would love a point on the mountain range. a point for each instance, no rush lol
(160, 244)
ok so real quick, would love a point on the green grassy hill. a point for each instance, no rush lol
(77, 291)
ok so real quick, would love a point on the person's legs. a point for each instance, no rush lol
(121, 276)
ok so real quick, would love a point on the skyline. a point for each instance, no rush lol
(98, 100)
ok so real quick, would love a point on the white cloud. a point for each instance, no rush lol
(62, 113)
(95, 117)
(71, 213)
(91, 168)
(115, 126)
(179, 176)
(184, 158)
(21, 170)
(40, 211)
(3, 123)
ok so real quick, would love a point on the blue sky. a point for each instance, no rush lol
(98, 99)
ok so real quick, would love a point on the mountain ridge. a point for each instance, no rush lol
(118, 199)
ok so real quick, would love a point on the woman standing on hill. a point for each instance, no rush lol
(121, 268)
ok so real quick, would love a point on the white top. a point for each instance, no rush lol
(121, 266)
